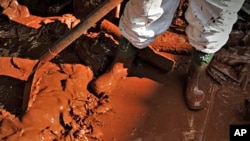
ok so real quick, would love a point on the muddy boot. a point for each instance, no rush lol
(197, 88)
(119, 69)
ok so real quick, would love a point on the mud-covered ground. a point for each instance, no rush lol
(62, 106)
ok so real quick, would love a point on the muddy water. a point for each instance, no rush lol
(144, 113)
(149, 106)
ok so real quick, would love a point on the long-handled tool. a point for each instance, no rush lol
(65, 41)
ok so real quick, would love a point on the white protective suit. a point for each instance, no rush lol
(210, 21)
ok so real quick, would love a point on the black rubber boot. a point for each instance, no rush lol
(123, 60)
(197, 88)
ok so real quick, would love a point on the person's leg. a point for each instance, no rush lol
(120, 66)
(141, 22)
(210, 23)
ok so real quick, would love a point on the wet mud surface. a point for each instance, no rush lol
(60, 107)
(148, 105)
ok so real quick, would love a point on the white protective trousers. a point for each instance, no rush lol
(209, 21)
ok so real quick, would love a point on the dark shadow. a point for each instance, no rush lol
(159, 67)
(11, 92)
(48, 7)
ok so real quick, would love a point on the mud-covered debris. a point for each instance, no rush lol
(231, 64)
(234, 55)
